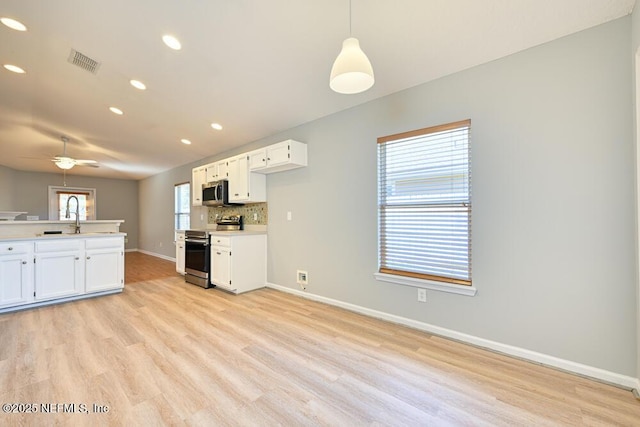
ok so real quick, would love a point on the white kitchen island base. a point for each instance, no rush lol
(51, 269)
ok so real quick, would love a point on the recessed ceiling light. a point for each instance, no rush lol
(185, 141)
(172, 42)
(13, 24)
(216, 126)
(138, 84)
(14, 68)
(115, 110)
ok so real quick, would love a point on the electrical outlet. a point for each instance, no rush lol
(422, 295)
(289, 216)
(255, 216)
(302, 279)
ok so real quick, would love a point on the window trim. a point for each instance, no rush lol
(416, 279)
(53, 192)
(468, 290)
(175, 214)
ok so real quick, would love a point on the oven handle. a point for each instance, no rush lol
(206, 242)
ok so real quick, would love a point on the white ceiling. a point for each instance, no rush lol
(257, 67)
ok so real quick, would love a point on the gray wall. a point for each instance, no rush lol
(635, 51)
(157, 211)
(6, 189)
(553, 201)
(116, 198)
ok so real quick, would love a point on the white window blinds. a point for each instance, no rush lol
(424, 199)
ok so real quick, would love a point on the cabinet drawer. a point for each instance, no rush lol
(220, 241)
(108, 242)
(9, 248)
(59, 245)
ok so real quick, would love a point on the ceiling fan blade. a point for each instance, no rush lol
(81, 162)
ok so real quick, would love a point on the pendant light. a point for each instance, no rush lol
(351, 72)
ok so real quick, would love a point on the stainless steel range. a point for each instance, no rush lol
(197, 257)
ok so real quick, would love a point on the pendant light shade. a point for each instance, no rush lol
(351, 71)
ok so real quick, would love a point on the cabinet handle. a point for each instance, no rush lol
(218, 253)
(88, 257)
(268, 158)
(10, 248)
(24, 262)
(77, 258)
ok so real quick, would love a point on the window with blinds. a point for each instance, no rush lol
(424, 199)
(182, 206)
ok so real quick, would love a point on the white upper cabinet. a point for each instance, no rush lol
(245, 186)
(278, 157)
(198, 177)
(217, 171)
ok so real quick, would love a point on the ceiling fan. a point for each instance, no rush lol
(65, 162)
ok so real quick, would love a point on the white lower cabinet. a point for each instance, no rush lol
(41, 271)
(239, 261)
(180, 267)
(59, 270)
(104, 264)
(16, 274)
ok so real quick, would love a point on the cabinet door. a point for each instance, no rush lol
(257, 159)
(238, 179)
(211, 173)
(15, 280)
(278, 154)
(221, 267)
(59, 274)
(198, 177)
(104, 269)
(223, 170)
(180, 257)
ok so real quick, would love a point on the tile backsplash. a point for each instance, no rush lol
(247, 212)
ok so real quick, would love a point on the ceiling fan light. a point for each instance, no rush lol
(172, 42)
(351, 72)
(14, 68)
(65, 163)
(13, 24)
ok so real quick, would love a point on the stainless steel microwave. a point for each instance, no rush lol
(215, 193)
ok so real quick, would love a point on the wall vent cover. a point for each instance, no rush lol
(83, 61)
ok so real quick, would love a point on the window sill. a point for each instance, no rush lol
(427, 284)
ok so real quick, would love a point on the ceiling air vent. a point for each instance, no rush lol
(83, 61)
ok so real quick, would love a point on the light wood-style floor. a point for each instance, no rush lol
(168, 353)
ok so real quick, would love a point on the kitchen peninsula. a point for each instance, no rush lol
(46, 262)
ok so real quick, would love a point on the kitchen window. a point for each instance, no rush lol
(58, 197)
(424, 208)
(182, 193)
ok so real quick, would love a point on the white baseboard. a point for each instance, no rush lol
(532, 356)
(168, 258)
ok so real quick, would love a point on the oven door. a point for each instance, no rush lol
(197, 261)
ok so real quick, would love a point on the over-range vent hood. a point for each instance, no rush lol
(83, 61)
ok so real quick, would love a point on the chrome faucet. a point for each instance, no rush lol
(77, 212)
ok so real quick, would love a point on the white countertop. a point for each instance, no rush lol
(236, 233)
(40, 236)
(67, 222)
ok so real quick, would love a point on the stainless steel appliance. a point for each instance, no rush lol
(229, 223)
(216, 193)
(197, 257)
